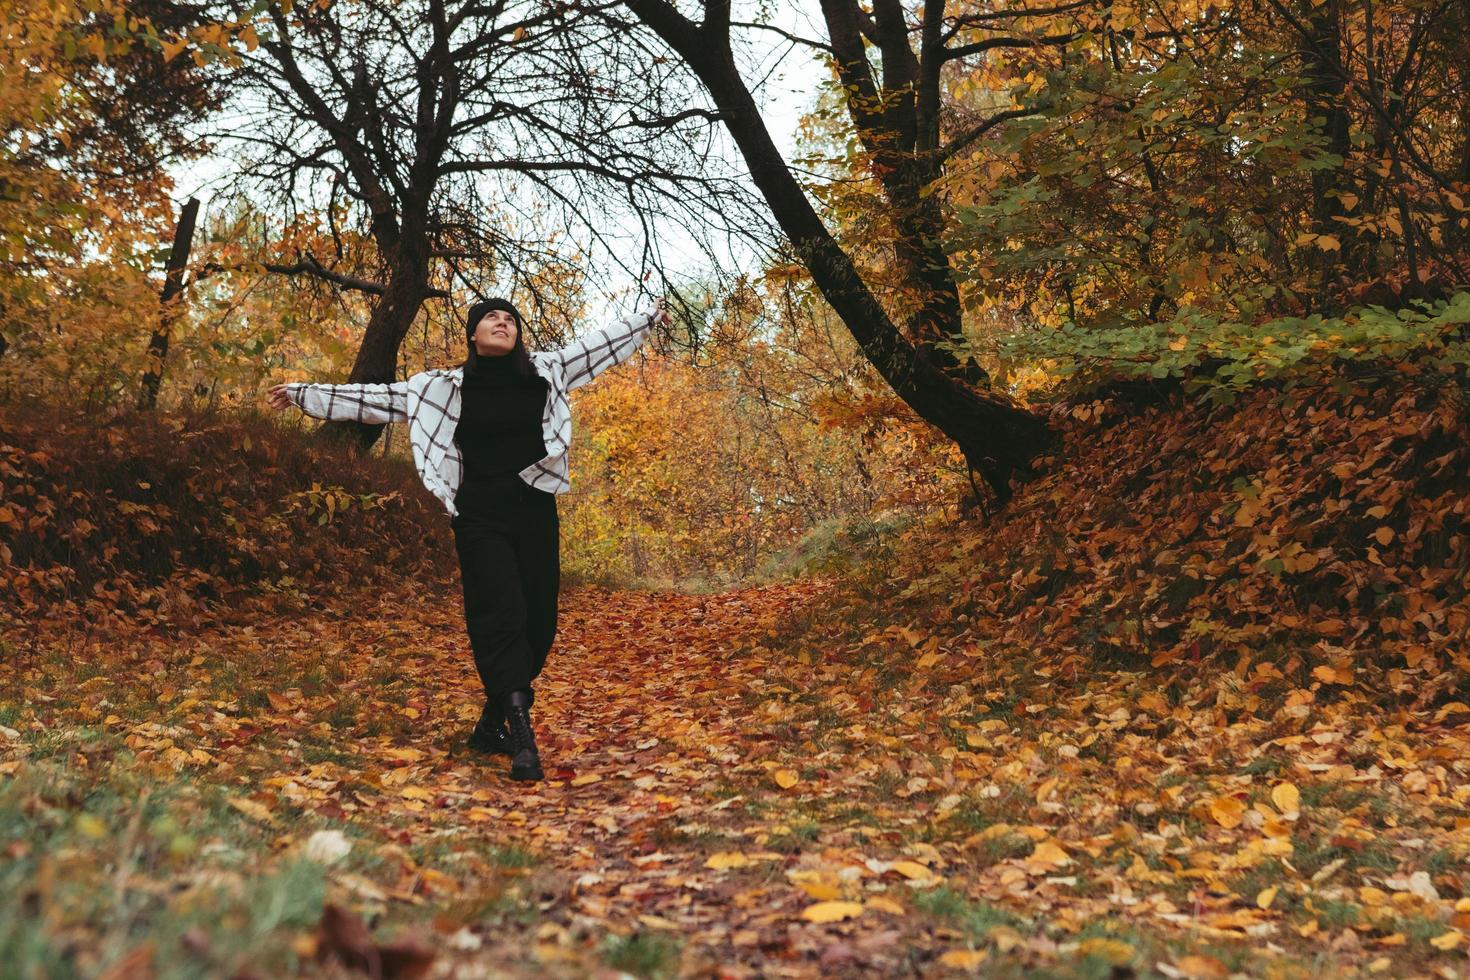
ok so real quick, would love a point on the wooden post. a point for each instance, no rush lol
(173, 284)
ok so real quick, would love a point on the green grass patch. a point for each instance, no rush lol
(642, 954)
(101, 864)
(972, 917)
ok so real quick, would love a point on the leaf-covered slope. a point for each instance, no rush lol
(1314, 533)
(168, 519)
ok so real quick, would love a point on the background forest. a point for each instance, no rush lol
(1045, 524)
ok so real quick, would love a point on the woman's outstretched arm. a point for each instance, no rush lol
(589, 355)
(344, 403)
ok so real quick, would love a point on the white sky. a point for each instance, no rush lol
(785, 87)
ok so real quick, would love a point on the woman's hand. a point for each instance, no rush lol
(661, 316)
(276, 397)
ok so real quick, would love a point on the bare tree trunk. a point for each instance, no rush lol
(997, 436)
(1326, 97)
(173, 285)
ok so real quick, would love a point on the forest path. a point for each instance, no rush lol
(738, 784)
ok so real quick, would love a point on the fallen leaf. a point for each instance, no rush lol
(1049, 852)
(963, 959)
(252, 809)
(1198, 967)
(1113, 951)
(721, 860)
(1227, 811)
(832, 911)
(1288, 799)
(913, 870)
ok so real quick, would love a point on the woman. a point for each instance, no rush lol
(508, 425)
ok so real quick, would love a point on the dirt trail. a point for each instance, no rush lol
(737, 787)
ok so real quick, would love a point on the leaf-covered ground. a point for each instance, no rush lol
(1195, 704)
(744, 784)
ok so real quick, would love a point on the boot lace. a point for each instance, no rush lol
(519, 717)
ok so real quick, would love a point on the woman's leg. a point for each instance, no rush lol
(495, 607)
(538, 549)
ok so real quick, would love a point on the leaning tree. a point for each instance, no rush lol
(896, 111)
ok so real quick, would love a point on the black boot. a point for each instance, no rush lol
(490, 735)
(525, 763)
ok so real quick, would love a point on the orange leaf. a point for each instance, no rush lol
(1227, 811)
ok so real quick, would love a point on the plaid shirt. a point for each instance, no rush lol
(429, 403)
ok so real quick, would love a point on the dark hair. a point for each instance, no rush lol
(520, 358)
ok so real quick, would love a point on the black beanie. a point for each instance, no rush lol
(479, 309)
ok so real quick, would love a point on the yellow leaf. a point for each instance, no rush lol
(1328, 243)
(963, 959)
(1227, 811)
(726, 859)
(1277, 828)
(1328, 675)
(1049, 852)
(1202, 967)
(1448, 941)
(1369, 895)
(90, 825)
(586, 778)
(1265, 897)
(252, 809)
(1113, 951)
(881, 904)
(913, 869)
(787, 778)
(832, 911)
(819, 889)
(171, 49)
(1288, 798)
(658, 922)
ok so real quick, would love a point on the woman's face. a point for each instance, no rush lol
(495, 334)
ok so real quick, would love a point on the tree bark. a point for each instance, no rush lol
(1326, 97)
(173, 285)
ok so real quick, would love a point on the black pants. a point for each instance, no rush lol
(507, 534)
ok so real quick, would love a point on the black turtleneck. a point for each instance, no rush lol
(499, 428)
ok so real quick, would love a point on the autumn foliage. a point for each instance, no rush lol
(1194, 703)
